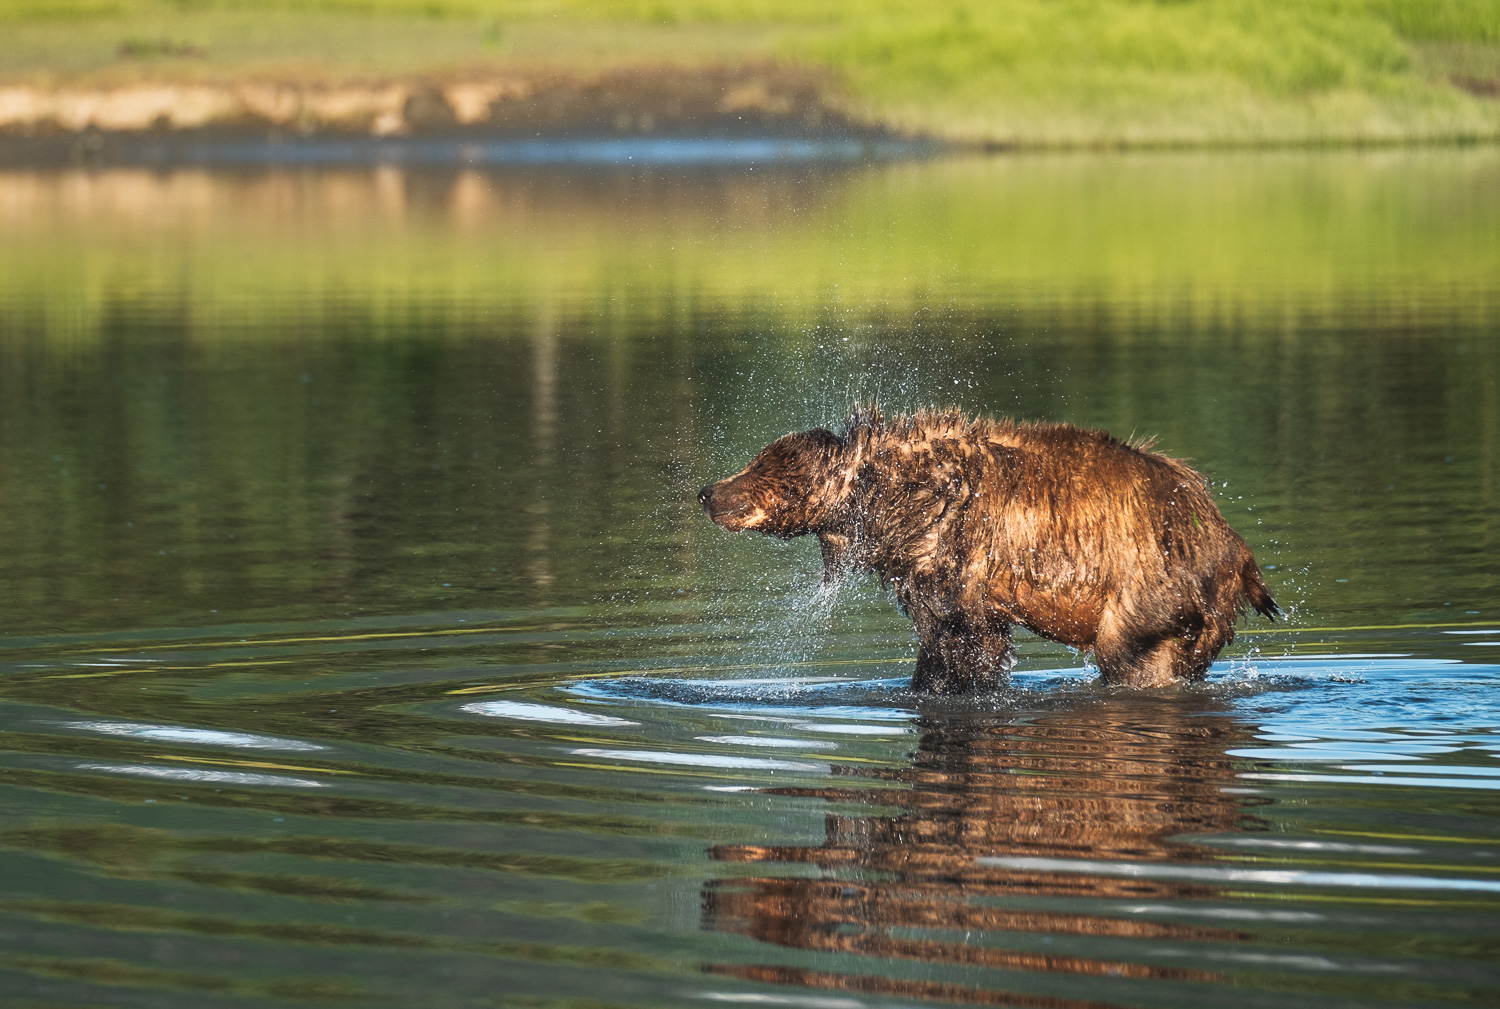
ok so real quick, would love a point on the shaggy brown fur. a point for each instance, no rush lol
(979, 525)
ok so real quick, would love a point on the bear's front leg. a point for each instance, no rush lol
(954, 657)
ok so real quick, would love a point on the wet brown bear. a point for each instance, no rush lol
(980, 525)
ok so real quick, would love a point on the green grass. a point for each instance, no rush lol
(990, 71)
(1081, 71)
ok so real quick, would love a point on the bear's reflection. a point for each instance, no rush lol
(1114, 780)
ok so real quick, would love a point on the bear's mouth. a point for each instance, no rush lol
(737, 519)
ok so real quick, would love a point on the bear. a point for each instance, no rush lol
(981, 525)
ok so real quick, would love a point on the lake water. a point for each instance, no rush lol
(361, 642)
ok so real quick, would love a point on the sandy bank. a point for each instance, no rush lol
(763, 100)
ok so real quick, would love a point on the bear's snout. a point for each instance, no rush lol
(714, 501)
(730, 507)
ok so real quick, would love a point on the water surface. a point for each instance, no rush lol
(362, 642)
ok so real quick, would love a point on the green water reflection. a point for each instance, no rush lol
(296, 465)
(299, 394)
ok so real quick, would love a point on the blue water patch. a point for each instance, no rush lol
(1366, 699)
(677, 152)
(821, 697)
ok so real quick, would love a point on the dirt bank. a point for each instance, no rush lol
(763, 100)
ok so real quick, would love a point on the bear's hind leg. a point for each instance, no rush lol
(1132, 659)
(1138, 664)
(1176, 655)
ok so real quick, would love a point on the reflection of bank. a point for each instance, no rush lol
(1113, 781)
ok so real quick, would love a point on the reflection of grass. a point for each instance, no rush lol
(1190, 239)
(597, 912)
(1024, 71)
(99, 971)
(133, 918)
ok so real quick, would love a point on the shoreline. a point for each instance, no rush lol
(722, 114)
(727, 114)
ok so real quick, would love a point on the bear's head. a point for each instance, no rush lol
(796, 485)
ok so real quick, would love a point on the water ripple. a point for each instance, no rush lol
(202, 776)
(1220, 874)
(199, 737)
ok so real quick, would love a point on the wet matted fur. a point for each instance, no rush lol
(980, 525)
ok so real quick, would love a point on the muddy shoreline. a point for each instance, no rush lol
(701, 114)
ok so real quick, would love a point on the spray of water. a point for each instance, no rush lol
(817, 378)
(763, 605)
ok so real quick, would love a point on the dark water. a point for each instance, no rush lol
(362, 644)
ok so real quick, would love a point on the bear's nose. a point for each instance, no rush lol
(705, 494)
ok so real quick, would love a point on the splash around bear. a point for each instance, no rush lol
(982, 525)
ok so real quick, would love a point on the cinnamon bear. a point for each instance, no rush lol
(981, 525)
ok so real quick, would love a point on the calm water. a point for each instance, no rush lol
(362, 644)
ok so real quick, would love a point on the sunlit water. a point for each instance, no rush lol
(362, 643)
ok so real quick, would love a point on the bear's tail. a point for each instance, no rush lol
(1254, 587)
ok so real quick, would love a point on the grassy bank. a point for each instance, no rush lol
(1003, 72)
